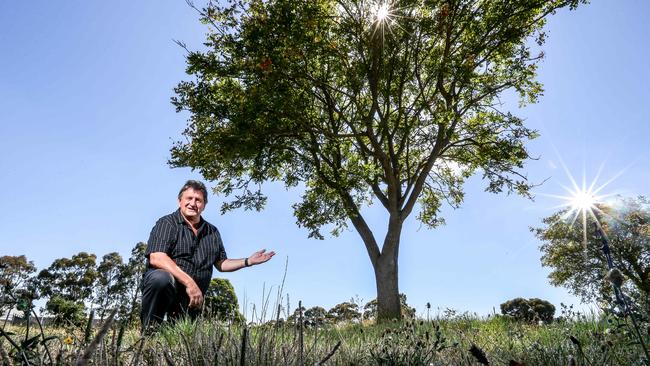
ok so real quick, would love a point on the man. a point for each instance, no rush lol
(181, 251)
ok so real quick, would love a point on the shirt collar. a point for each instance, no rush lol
(179, 217)
(181, 220)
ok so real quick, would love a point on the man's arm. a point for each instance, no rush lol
(162, 261)
(230, 265)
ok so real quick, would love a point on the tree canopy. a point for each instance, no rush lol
(397, 108)
(582, 268)
(14, 272)
(15, 287)
(344, 312)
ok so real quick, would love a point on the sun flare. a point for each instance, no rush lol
(382, 16)
(382, 12)
(584, 201)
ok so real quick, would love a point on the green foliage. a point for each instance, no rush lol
(311, 91)
(131, 275)
(221, 301)
(111, 284)
(315, 316)
(361, 111)
(344, 312)
(68, 282)
(118, 283)
(69, 278)
(581, 268)
(529, 310)
(66, 312)
(14, 272)
(370, 309)
(15, 290)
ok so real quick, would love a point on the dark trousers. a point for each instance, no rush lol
(163, 295)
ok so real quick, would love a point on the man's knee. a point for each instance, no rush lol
(159, 279)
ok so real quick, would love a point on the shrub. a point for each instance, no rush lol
(221, 301)
(531, 310)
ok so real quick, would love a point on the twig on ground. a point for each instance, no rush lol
(329, 355)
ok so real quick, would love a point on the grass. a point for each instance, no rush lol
(454, 340)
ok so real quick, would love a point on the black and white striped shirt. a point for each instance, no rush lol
(195, 255)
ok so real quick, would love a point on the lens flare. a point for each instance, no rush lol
(583, 201)
(382, 12)
(382, 15)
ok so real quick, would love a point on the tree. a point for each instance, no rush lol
(68, 282)
(221, 301)
(397, 109)
(132, 276)
(15, 272)
(531, 310)
(370, 309)
(344, 312)
(315, 316)
(111, 285)
(581, 268)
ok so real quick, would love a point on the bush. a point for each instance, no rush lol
(65, 312)
(221, 301)
(531, 310)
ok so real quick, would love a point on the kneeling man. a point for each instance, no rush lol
(181, 251)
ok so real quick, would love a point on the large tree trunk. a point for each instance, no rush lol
(388, 304)
(384, 262)
(386, 273)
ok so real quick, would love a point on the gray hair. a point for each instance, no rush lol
(195, 185)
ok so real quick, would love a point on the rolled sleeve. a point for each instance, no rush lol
(222, 252)
(162, 238)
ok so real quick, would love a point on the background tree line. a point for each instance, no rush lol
(73, 287)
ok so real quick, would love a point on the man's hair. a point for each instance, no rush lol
(195, 185)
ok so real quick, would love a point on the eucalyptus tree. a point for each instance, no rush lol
(110, 288)
(15, 288)
(131, 276)
(68, 283)
(362, 101)
(15, 272)
(581, 266)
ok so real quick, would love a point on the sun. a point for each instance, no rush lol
(584, 201)
(382, 13)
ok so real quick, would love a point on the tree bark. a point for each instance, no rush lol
(388, 304)
(386, 274)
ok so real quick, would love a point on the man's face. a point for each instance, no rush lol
(192, 204)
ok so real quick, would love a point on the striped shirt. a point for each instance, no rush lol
(195, 255)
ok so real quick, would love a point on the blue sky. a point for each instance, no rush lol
(86, 126)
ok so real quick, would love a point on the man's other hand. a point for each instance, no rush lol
(196, 296)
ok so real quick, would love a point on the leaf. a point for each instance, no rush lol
(29, 343)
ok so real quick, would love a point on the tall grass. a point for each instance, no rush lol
(454, 340)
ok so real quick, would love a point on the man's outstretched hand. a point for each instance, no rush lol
(260, 256)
